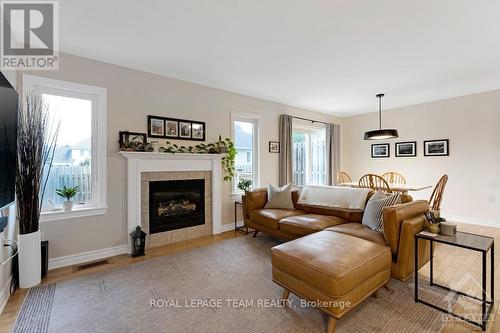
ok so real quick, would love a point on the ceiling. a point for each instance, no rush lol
(331, 56)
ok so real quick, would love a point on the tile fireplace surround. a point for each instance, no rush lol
(145, 167)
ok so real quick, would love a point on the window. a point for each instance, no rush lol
(245, 136)
(79, 156)
(309, 154)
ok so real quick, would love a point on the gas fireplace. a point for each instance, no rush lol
(176, 204)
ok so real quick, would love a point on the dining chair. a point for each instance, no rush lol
(393, 177)
(343, 177)
(437, 194)
(374, 182)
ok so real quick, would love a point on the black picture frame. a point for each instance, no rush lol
(441, 148)
(156, 127)
(136, 145)
(276, 148)
(171, 124)
(195, 127)
(381, 145)
(185, 129)
(191, 130)
(398, 145)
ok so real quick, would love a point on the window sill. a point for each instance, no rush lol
(75, 213)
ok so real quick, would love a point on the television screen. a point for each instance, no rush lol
(8, 126)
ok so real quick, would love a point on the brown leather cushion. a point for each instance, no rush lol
(302, 225)
(270, 217)
(332, 262)
(361, 231)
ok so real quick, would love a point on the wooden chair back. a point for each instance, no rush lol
(393, 177)
(437, 194)
(374, 182)
(343, 177)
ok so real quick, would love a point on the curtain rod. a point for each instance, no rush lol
(311, 120)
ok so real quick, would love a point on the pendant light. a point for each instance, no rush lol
(381, 134)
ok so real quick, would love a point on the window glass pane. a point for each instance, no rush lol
(72, 164)
(309, 156)
(244, 143)
(300, 157)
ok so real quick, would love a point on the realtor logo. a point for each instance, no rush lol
(30, 35)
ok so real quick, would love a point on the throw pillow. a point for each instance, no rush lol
(372, 217)
(280, 198)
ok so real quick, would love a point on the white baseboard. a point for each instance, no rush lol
(5, 294)
(80, 258)
(472, 220)
(230, 226)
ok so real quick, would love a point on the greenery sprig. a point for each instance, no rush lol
(222, 146)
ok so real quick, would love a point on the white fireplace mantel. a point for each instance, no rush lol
(139, 162)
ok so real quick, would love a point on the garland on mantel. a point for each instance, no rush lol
(225, 146)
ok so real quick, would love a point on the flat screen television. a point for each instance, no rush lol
(8, 141)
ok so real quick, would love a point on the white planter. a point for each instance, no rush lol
(68, 206)
(30, 262)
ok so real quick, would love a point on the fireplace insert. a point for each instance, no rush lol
(176, 204)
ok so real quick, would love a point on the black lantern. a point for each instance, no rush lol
(138, 242)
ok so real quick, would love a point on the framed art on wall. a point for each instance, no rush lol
(198, 131)
(436, 147)
(132, 141)
(156, 127)
(185, 130)
(380, 150)
(406, 149)
(173, 128)
(274, 147)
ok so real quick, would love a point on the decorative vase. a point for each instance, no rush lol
(434, 228)
(68, 206)
(156, 146)
(30, 262)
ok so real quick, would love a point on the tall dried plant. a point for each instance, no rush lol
(36, 141)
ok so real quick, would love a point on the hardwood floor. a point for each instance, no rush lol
(450, 265)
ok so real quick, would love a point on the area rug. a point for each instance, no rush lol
(224, 287)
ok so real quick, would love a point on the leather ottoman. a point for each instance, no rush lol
(334, 271)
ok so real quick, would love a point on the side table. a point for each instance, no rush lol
(468, 241)
(243, 229)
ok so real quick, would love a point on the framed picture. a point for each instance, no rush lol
(198, 131)
(156, 127)
(436, 147)
(185, 130)
(132, 141)
(171, 128)
(380, 150)
(274, 147)
(406, 149)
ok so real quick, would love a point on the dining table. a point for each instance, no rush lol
(401, 188)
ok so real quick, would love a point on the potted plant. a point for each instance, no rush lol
(245, 185)
(35, 152)
(68, 193)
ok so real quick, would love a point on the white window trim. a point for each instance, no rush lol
(255, 118)
(99, 146)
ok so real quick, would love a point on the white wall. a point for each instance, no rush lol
(472, 123)
(132, 95)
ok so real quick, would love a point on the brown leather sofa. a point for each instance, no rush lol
(400, 224)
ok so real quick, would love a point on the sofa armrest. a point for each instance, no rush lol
(405, 260)
(393, 218)
(254, 199)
